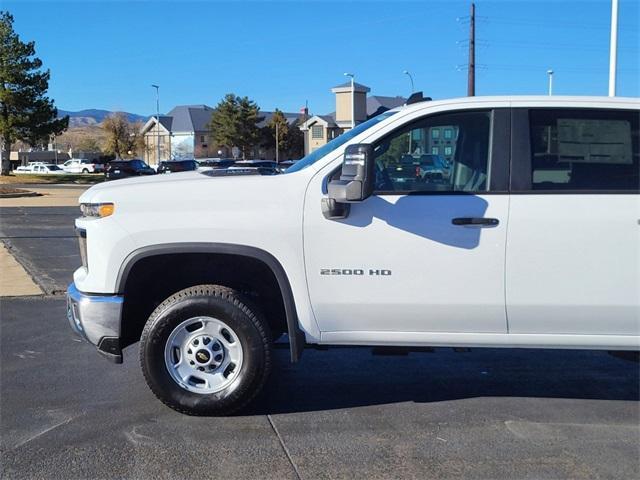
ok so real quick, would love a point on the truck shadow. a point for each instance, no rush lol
(427, 216)
(352, 377)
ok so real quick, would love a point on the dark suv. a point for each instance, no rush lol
(127, 168)
(177, 166)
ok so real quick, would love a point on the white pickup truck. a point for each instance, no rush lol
(82, 165)
(533, 240)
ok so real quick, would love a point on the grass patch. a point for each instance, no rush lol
(74, 179)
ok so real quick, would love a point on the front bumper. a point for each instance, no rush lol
(96, 318)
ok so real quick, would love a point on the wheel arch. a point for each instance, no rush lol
(296, 335)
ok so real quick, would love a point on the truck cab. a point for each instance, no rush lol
(530, 240)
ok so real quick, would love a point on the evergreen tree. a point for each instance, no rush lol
(224, 121)
(295, 142)
(26, 113)
(234, 123)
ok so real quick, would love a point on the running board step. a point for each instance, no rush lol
(398, 351)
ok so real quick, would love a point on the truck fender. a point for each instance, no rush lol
(296, 335)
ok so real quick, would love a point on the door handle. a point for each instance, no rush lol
(475, 222)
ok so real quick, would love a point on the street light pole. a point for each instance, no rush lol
(277, 143)
(353, 100)
(613, 52)
(550, 73)
(157, 87)
(406, 72)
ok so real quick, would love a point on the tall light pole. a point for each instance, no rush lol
(353, 100)
(613, 52)
(550, 74)
(406, 72)
(157, 120)
(277, 143)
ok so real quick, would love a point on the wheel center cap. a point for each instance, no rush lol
(202, 356)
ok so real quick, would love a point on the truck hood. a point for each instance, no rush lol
(182, 189)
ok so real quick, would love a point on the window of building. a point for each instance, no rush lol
(448, 133)
(202, 140)
(317, 131)
(435, 133)
(584, 150)
(405, 164)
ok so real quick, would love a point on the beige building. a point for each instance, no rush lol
(320, 129)
(183, 134)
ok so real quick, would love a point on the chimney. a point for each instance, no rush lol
(344, 107)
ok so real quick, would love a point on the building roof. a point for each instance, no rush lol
(196, 118)
(329, 120)
(190, 118)
(376, 102)
(165, 121)
(266, 116)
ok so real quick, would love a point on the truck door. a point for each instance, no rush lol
(573, 254)
(426, 252)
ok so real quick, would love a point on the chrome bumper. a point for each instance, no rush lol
(96, 318)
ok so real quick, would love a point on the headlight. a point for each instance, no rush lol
(99, 210)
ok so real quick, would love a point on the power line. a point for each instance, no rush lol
(547, 45)
(572, 69)
(553, 23)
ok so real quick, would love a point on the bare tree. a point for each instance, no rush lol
(123, 137)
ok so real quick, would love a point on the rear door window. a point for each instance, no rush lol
(584, 150)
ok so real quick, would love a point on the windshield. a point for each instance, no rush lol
(316, 155)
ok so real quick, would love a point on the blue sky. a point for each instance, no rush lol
(106, 54)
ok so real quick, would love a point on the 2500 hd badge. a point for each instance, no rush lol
(354, 271)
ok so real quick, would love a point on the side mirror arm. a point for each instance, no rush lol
(333, 210)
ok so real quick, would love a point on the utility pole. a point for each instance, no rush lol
(277, 143)
(471, 81)
(613, 45)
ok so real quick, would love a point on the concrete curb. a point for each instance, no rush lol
(19, 195)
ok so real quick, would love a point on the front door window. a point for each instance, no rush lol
(441, 153)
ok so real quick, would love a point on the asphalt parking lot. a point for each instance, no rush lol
(65, 412)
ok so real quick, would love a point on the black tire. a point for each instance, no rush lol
(85, 171)
(231, 308)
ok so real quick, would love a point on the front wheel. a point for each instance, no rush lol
(85, 170)
(205, 351)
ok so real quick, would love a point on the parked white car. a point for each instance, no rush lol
(531, 242)
(82, 165)
(38, 168)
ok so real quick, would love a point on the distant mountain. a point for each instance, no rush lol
(92, 116)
